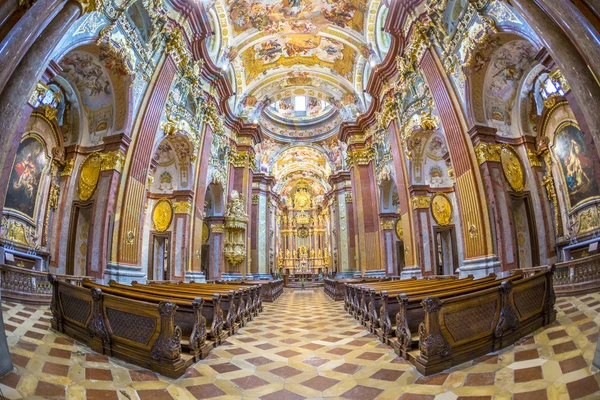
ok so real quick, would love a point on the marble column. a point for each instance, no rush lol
(480, 258)
(202, 180)
(14, 97)
(388, 240)
(22, 35)
(127, 236)
(216, 262)
(344, 224)
(7, 10)
(182, 219)
(420, 204)
(496, 190)
(261, 187)
(409, 238)
(113, 156)
(585, 89)
(5, 360)
(579, 30)
(364, 196)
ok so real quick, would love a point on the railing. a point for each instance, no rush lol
(29, 286)
(574, 276)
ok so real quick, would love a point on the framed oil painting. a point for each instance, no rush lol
(25, 177)
(579, 164)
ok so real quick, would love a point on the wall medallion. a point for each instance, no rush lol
(441, 209)
(399, 231)
(89, 176)
(162, 215)
(512, 167)
(205, 233)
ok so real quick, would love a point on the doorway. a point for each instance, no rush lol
(160, 256)
(79, 236)
(446, 254)
(524, 230)
(400, 256)
(204, 261)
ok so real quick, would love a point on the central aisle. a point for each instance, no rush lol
(305, 345)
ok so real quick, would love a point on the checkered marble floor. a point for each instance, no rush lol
(305, 346)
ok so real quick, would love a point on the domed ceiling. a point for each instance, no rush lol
(278, 52)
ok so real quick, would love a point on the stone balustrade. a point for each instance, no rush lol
(574, 276)
(29, 286)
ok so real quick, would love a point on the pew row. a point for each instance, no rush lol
(334, 288)
(271, 289)
(140, 332)
(404, 315)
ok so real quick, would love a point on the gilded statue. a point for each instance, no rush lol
(312, 253)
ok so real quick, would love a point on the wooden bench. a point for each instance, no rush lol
(238, 306)
(143, 333)
(463, 327)
(187, 316)
(335, 288)
(271, 289)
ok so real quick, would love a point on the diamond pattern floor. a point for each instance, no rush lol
(305, 346)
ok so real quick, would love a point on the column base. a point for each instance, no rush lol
(344, 275)
(124, 274)
(480, 267)
(409, 272)
(195, 276)
(232, 276)
(263, 277)
(376, 273)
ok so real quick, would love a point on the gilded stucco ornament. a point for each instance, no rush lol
(88, 6)
(420, 202)
(441, 209)
(487, 152)
(205, 232)
(387, 225)
(512, 168)
(182, 207)
(89, 176)
(399, 229)
(113, 160)
(162, 214)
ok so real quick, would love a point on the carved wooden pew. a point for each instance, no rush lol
(271, 289)
(358, 295)
(186, 317)
(335, 288)
(252, 293)
(384, 303)
(463, 327)
(139, 332)
(237, 312)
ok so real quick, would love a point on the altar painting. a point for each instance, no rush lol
(578, 162)
(24, 185)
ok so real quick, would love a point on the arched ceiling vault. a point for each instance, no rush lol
(277, 47)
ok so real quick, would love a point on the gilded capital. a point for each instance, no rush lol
(420, 202)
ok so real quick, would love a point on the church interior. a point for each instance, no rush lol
(300, 199)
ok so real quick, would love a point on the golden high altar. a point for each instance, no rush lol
(305, 240)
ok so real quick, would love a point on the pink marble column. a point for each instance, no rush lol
(585, 89)
(22, 35)
(496, 192)
(182, 219)
(104, 205)
(388, 239)
(17, 90)
(216, 262)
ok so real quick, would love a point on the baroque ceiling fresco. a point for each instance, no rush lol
(276, 51)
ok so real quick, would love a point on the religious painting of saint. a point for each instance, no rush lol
(579, 163)
(24, 184)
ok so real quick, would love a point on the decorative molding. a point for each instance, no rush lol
(387, 225)
(113, 160)
(420, 202)
(487, 152)
(217, 228)
(182, 207)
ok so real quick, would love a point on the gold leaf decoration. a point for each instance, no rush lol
(441, 209)
(512, 167)
(162, 215)
(89, 176)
